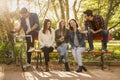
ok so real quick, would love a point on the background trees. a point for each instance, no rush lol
(56, 10)
(65, 9)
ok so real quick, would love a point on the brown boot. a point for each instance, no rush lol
(67, 66)
(84, 68)
(61, 59)
(47, 66)
(79, 69)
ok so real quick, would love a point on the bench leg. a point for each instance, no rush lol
(37, 60)
(102, 62)
(38, 57)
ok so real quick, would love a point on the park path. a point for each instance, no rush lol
(13, 72)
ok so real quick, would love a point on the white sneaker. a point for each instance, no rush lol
(26, 65)
(31, 49)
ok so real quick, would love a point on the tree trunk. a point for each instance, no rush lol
(111, 8)
(74, 10)
(108, 15)
(81, 19)
(62, 9)
(54, 6)
(98, 7)
(67, 12)
(18, 6)
(46, 11)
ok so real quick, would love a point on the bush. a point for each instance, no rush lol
(116, 34)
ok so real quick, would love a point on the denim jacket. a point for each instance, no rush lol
(80, 36)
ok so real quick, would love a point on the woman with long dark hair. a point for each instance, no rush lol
(77, 41)
(61, 38)
(46, 40)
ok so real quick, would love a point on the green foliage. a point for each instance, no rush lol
(98, 6)
(116, 50)
(2, 45)
(116, 34)
(54, 25)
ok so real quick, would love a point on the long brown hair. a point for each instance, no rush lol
(45, 26)
(60, 29)
(60, 24)
(71, 28)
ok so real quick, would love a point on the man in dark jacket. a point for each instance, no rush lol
(95, 25)
(30, 24)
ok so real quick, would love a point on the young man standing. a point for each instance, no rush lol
(30, 24)
(95, 25)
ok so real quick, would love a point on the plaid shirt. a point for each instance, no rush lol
(97, 23)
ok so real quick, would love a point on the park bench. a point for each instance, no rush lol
(94, 53)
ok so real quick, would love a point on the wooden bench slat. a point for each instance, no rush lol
(94, 52)
(97, 52)
(37, 50)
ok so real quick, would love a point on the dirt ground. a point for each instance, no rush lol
(57, 72)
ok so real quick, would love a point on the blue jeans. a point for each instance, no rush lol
(77, 54)
(103, 33)
(62, 49)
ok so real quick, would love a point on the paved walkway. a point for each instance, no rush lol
(13, 72)
(1, 73)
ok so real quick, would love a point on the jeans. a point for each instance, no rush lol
(77, 54)
(103, 33)
(62, 49)
(46, 51)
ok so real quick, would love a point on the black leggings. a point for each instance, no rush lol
(46, 51)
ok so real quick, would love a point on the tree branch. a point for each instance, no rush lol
(108, 15)
(113, 26)
(79, 5)
(117, 4)
(67, 11)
